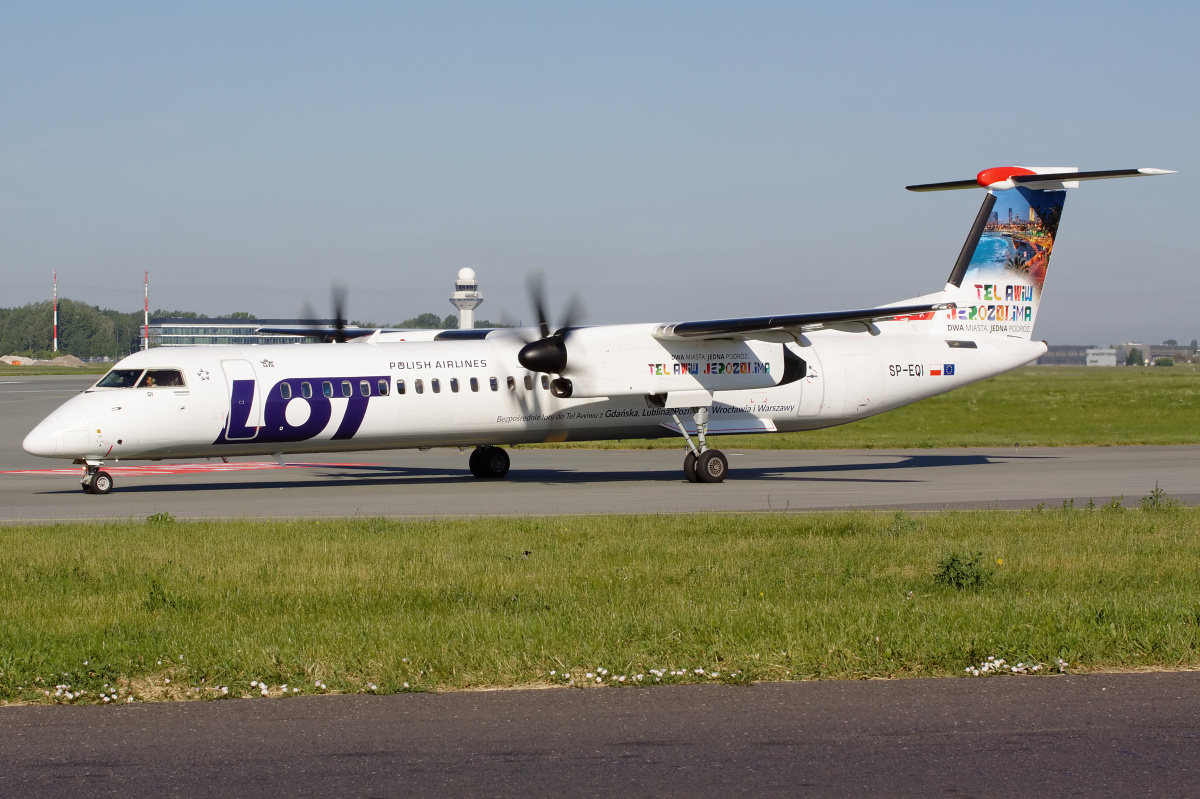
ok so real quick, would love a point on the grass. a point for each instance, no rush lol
(377, 605)
(1043, 406)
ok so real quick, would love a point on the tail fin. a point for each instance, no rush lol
(997, 281)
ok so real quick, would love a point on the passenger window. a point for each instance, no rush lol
(161, 378)
(347, 389)
(399, 386)
(364, 388)
(285, 391)
(494, 383)
(454, 384)
(327, 388)
(120, 378)
(545, 381)
(512, 383)
(419, 385)
(474, 384)
(436, 385)
(383, 384)
(306, 390)
(528, 382)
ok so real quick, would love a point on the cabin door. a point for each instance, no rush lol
(245, 401)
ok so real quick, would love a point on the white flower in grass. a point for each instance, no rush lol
(552, 672)
(405, 685)
(699, 671)
(566, 675)
(621, 678)
(283, 687)
(599, 679)
(589, 675)
(224, 689)
(254, 683)
(295, 690)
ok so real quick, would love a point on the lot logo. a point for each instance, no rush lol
(318, 392)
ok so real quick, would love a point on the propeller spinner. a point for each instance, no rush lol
(549, 353)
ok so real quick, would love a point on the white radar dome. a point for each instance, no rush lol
(466, 275)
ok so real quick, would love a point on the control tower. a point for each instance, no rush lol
(466, 297)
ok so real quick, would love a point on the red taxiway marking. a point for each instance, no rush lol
(192, 468)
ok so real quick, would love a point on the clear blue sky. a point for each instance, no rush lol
(669, 161)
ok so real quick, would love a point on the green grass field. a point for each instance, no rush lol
(499, 602)
(1042, 406)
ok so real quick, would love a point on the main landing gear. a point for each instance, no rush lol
(489, 462)
(701, 465)
(96, 481)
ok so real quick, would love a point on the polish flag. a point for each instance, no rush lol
(935, 369)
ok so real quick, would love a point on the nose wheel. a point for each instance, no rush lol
(96, 481)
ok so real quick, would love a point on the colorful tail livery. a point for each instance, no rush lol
(996, 284)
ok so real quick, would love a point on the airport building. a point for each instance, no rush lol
(187, 332)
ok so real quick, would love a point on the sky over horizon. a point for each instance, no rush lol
(667, 161)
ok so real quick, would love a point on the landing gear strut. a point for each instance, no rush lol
(96, 481)
(701, 465)
(489, 462)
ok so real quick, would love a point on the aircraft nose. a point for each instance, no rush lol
(43, 440)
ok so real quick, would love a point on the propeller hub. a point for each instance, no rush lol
(547, 355)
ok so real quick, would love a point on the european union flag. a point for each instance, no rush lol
(948, 370)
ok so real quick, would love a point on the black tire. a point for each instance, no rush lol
(712, 466)
(494, 462)
(86, 485)
(102, 483)
(475, 462)
(689, 467)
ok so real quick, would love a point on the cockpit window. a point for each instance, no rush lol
(120, 378)
(159, 378)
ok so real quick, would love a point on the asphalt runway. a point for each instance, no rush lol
(437, 483)
(1101, 735)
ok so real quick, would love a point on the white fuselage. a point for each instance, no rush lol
(257, 400)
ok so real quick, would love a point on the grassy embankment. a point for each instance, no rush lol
(1036, 406)
(458, 604)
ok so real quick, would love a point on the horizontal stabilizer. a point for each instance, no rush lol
(749, 327)
(1006, 177)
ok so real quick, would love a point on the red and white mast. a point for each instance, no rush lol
(146, 318)
(56, 310)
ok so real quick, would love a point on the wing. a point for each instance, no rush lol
(789, 325)
(327, 333)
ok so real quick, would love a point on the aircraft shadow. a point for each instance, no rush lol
(381, 475)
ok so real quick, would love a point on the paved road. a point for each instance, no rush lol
(1102, 735)
(437, 483)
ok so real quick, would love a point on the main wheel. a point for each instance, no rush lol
(689, 467)
(476, 462)
(711, 466)
(493, 462)
(102, 483)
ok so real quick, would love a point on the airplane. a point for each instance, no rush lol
(381, 389)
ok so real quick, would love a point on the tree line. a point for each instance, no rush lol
(87, 331)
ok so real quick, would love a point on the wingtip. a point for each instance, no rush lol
(1151, 171)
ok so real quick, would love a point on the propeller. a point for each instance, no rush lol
(549, 353)
(338, 296)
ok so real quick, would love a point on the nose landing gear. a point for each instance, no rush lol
(701, 465)
(95, 480)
